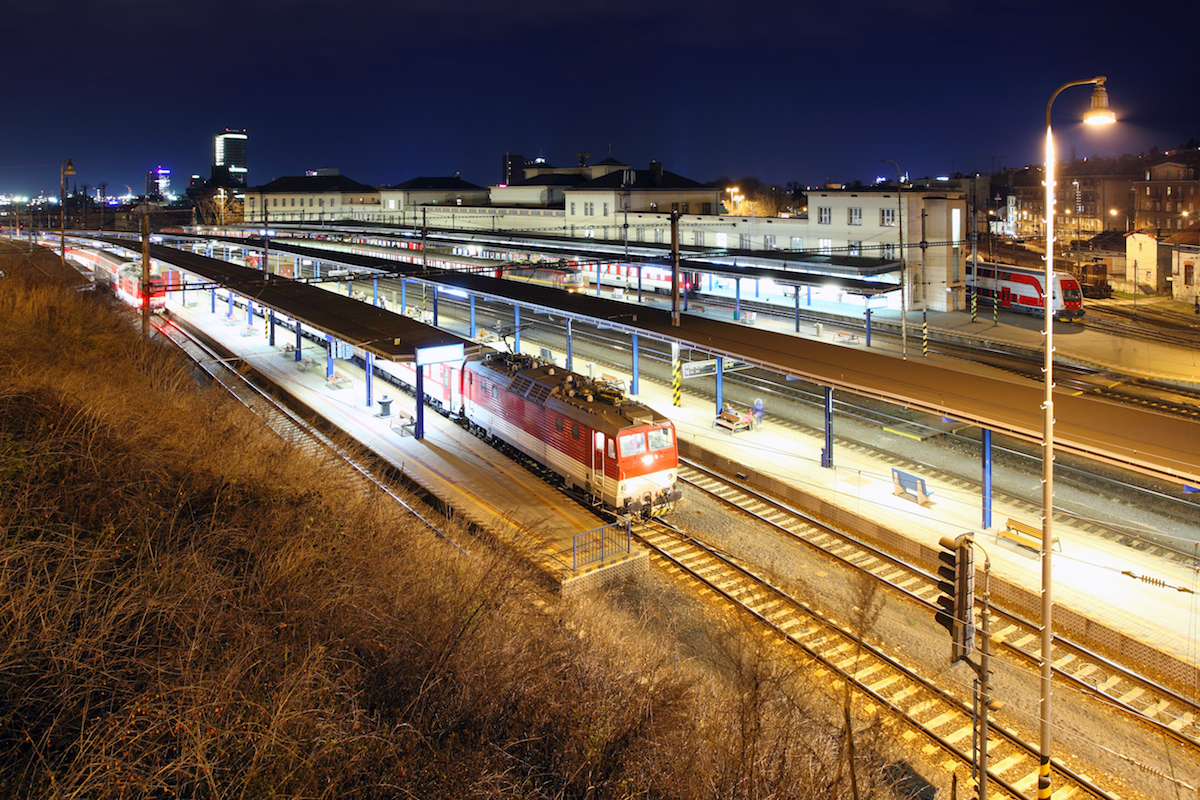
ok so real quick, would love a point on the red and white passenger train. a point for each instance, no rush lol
(1021, 289)
(122, 277)
(618, 452)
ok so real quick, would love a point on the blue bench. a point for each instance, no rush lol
(910, 486)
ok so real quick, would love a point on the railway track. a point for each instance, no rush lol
(1158, 708)
(878, 679)
(290, 426)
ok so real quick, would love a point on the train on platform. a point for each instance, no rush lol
(123, 277)
(600, 445)
(1021, 289)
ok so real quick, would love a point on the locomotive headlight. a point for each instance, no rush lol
(648, 459)
(624, 488)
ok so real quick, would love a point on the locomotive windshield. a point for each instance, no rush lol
(660, 438)
(1071, 292)
(634, 444)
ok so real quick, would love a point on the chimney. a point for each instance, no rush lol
(656, 172)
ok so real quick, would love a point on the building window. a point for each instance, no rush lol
(658, 235)
(797, 243)
(887, 217)
(683, 208)
(743, 241)
(275, 201)
(293, 202)
(321, 203)
(572, 208)
(589, 232)
(706, 208)
(824, 215)
(854, 216)
(769, 242)
(855, 248)
(888, 251)
(606, 209)
(641, 234)
(674, 207)
(825, 246)
(698, 238)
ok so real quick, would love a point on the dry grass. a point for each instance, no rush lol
(189, 608)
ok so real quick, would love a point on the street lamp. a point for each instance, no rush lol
(1099, 114)
(67, 169)
(1116, 213)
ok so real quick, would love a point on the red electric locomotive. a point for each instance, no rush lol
(618, 452)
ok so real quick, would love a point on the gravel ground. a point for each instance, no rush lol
(1089, 738)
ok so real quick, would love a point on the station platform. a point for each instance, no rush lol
(1088, 571)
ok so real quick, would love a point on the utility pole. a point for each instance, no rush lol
(144, 294)
(675, 268)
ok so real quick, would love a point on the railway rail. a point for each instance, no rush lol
(1163, 710)
(291, 426)
(877, 677)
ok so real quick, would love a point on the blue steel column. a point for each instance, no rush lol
(720, 383)
(375, 291)
(570, 348)
(633, 378)
(517, 329)
(249, 311)
(808, 295)
(471, 327)
(419, 425)
(796, 289)
(435, 308)
(987, 478)
(370, 376)
(329, 355)
(213, 294)
(271, 327)
(868, 327)
(299, 339)
(403, 296)
(737, 298)
(316, 268)
(827, 451)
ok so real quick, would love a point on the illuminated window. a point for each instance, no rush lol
(768, 242)
(854, 216)
(658, 235)
(887, 217)
(824, 215)
(825, 246)
(855, 248)
(797, 243)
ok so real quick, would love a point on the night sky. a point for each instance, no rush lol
(388, 90)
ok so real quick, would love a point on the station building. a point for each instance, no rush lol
(613, 202)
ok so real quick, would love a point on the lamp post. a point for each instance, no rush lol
(1116, 213)
(903, 274)
(1099, 114)
(67, 169)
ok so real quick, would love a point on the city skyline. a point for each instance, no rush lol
(386, 93)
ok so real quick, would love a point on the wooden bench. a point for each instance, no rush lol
(1024, 535)
(732, 422)
(846, 336)
(305, 364)
(338, 381)
(911, 487)
(404, 424)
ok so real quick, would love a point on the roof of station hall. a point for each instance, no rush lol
(385, 334)
(834, 270)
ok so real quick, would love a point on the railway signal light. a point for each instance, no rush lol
(956, 585)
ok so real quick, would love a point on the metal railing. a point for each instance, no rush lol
(600, 544)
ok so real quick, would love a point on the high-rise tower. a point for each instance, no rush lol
(229, 165)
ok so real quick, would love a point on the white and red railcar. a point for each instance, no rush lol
(1021, 289)
(618, 452)
(122, 277)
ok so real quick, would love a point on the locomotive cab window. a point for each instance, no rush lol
(558, 424)
(660, 438)
(574, 431)
(612, 449)
(632, 444)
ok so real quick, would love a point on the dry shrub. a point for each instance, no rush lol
(192, 608)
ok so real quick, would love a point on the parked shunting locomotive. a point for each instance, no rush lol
(613, 450)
